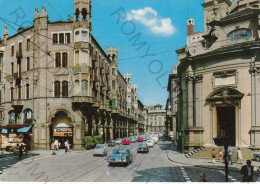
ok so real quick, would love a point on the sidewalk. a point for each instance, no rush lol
(176, 156)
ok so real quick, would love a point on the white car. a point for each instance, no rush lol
(150, 143)
(156, 139)
(118, 141)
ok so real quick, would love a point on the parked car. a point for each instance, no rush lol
(143, 147)
(126, 141)
(119, 141)
(111, 143)
(132, 139)
(150, 143)
(140, 139)
(144, 138)
(100, 149)
(156, 139)
(120, 156)
(257, 156)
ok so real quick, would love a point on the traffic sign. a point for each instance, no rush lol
(171, 133)
(31, 134)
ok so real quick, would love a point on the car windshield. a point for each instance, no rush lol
(142, 145)
(111, 141)
(119, 151)
(118, 139)
(99, 146)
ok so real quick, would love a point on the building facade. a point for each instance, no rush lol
(219, 77)
(172, 103)
(58, 79)
(156, 119)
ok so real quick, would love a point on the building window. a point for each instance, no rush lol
(19, 92)
(77, 88)
(28, 116)
(12, 119)
(64, 89)
(28, 64)
(64, 59)
(28, 44)
(57, 59)
(113, 85)
(12, 68)
(113, 71)
(84, 35)
(57, 89)
(20, 47)
(67, 35)
(84, 87)
(27, 91)
(12, 50)
(55, 39)
(85, 58)
(61, 38)
(77, 58)
(77, 36)
(12, 93)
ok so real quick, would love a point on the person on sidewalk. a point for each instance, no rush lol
(66, 146)
(53, 148)
(248, 172)
(230, 154)
(220, 155)
(213, 153)
(239, 155)
(203, 177)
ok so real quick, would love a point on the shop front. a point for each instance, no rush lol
(14, 135)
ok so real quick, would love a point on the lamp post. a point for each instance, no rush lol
(182, 136)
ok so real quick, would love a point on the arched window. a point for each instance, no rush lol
(56, 89)
(85, 58)
(77, 58)
(113, 84)
(64, 89)
(27, 91)
(84, 87)
(84, 14)
(12, 117)
(64, 59)
(27, 116)
(77, 14)
(57, 60)
(77, 88)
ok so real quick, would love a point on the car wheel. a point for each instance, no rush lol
(257, 159)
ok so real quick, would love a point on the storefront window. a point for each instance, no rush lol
(28, 116)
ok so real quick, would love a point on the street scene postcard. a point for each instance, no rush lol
(129, 91)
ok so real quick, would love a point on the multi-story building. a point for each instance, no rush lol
(219, 77)
(172, 103)
(60, 84)
(141, 117)
(2, 49)
(156, 119)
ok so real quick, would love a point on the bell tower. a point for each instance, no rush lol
(82, 11)
(112, 53)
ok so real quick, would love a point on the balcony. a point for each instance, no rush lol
(83, 99)
(17, 105)
(19, 54)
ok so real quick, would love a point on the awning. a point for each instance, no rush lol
(4, 131)
(15, 126)
(24, 129)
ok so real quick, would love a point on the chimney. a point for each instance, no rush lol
(190, 27)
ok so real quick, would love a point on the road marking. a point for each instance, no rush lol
(230, 177)
(184, 173)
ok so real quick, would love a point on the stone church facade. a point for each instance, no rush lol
(219, 76)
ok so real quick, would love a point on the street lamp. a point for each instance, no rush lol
(182, 136)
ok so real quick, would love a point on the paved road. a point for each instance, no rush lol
(82, 166)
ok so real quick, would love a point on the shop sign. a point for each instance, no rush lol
(63, 129)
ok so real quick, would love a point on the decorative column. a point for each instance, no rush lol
(189, 80)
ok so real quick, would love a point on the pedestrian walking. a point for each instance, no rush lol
(239, 155)
(203, 177)
(66, 146)
(53, 148)
(220, 155)
(213, 153)
(248, 172)
(20, 151)
(56, 142)
(230, 154)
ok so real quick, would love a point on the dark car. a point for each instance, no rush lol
(111, 143)
(143, 148)
(120, 156)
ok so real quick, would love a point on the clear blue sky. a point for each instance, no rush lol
(161, 23)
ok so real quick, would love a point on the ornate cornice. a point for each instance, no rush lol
(223, 74)
(189, 79)
(198, 78)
